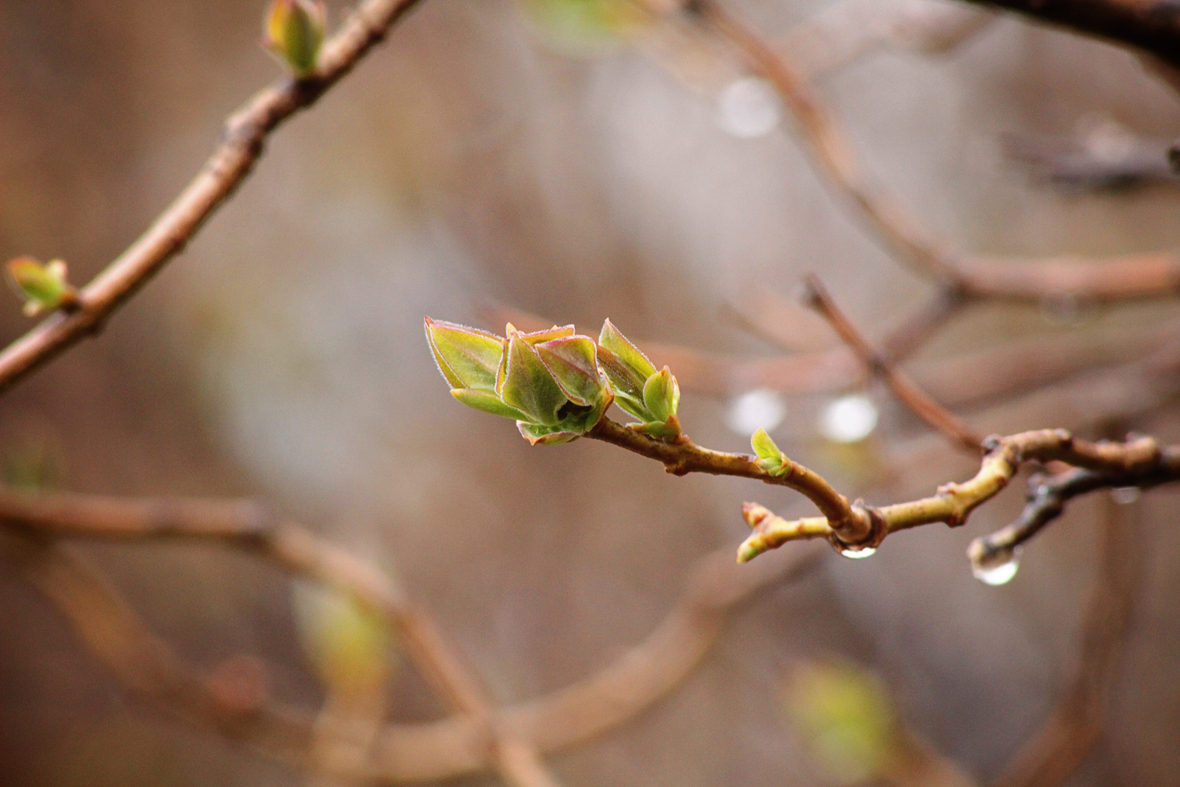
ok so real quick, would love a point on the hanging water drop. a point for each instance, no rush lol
(1125, 495)
(857, 554)
(993, 567)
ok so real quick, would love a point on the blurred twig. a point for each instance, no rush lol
(242, 144)
(843, 32)
(407, 752)
(918, 401)
(1052, 755)
(248, 525)
(901, 233)
(1107, 156)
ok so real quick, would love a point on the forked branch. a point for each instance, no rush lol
(241, 146)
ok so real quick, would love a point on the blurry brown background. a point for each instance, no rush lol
(472, 161)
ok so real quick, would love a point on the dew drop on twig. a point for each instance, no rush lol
(997, 568)
(1125, 495)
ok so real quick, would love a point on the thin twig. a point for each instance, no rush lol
(241, 146)
(683, 456)
(918, 401)
(1054, 752)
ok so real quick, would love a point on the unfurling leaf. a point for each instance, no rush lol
(528, 386)
(633, 360)
(574, 365)
(294, 31)
(467, 357)
(489, 403)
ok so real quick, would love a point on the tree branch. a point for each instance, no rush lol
(242, 143)
(1139, 461)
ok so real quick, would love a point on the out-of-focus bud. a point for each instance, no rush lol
(42, 287)
(652, 397)
(351, 648)
(847, 720)
(294, 31)
(548, 381)
(586, 27)
(770, 458)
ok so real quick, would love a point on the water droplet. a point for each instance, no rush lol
(997, 568)
(1125, 495)
(857, 554)
(748, 108)
(754, 410)
(849, 419)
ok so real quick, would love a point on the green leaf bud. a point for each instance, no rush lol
(538, 434)
(294, 31)
(42, 287)
(536, 337)
(661, 395)
(627, 353)
(770, 458)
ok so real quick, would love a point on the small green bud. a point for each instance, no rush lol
(638, 388)
(770, 458)
(661, 395)
(537, 434)
(42, 287)
(294, 31)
